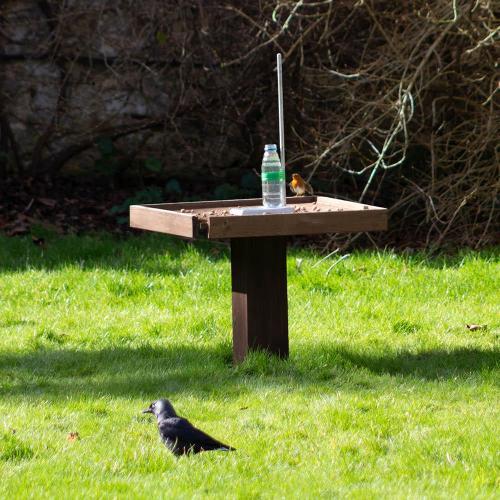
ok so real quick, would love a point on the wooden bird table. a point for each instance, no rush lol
(258, 253)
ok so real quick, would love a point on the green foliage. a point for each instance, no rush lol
(250, 182)
(108, 163)
(161, 37)
(154, 165)
(105, 146)
(173, 186)
(249, 187)
(151, 194)
(386, 392)
(226, 192)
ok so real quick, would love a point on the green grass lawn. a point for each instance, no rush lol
(386, 392)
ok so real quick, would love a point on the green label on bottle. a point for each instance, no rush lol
(273, 176)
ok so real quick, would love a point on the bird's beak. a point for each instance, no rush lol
(148, 410)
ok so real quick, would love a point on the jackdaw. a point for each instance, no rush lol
(178, 434)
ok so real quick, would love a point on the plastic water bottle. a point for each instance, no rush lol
(273, 178)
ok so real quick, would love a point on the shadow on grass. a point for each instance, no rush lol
(148, 253)
(157, 253)
(432, 364)
(153, 371)
(455, 260)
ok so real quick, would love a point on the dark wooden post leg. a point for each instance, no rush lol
(260, 308)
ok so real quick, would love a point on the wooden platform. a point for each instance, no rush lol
(258, 253)
(212, 219)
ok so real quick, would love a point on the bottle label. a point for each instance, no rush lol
(273, 176)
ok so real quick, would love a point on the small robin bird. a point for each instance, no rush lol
(299, 186)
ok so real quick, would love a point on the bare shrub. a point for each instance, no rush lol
(388, 102)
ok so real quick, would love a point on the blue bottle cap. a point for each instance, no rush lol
(270, 147)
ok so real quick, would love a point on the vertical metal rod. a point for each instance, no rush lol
(280, 110)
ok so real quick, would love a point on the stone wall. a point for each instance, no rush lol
(134, 72)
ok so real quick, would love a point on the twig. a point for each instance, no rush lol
(337, 262)
(326, 257)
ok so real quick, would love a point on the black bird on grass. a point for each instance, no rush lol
(178, 434)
